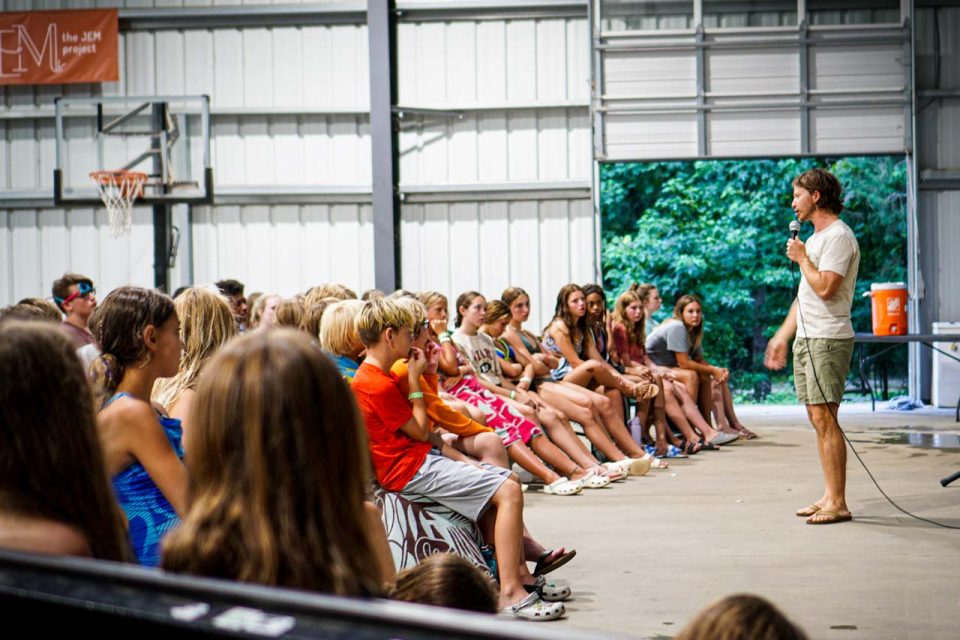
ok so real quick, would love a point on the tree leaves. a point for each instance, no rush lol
(718, 228)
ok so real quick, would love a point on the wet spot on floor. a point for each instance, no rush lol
(924, 440)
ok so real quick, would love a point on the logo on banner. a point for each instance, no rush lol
(59, 47)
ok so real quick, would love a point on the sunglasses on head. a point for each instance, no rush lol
(84, 289)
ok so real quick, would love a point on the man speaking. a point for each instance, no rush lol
(820, 318)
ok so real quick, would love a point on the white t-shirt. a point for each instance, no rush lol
(482, 354)
(833, 249)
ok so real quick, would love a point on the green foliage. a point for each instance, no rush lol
(718, 228)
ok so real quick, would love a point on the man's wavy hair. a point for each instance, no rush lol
(826, 184)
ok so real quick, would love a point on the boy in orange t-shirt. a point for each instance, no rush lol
(400, 447)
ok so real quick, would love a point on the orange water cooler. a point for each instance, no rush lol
(889, 300)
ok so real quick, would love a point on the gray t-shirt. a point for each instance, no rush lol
(832, 249)
(668, 339)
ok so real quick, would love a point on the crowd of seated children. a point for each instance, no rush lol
(440, 414)
(402, 451)
(581, 364)
(278, 470)
(464, 434)
(496, 317)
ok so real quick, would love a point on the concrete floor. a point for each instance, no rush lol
(653, 551)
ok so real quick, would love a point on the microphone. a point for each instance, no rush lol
(794, 229)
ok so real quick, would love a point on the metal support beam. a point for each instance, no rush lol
(385, 143)
(161, 212)
(804, 88)
(596, 80)
(161, 247)
(701, 94)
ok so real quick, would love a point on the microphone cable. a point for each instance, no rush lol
(836, 417)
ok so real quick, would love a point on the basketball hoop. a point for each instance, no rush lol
(118, 190)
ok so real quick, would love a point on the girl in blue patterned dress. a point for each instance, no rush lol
(138, 334)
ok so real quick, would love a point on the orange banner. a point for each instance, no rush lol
(59, 47)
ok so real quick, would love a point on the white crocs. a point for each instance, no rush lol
(593, 480)
(549, 591)
(563, 487)
(534, 609)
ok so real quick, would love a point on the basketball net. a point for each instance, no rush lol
(118, 190)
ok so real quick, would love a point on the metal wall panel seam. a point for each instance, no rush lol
(700, 88)
(151, 19)
(803, 52)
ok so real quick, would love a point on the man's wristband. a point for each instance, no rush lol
(445, 338)
(526, 379)
(513, 395)
(416, 395)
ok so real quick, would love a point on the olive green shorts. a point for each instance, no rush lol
(831, 359)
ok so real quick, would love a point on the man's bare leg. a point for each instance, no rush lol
(833, 459)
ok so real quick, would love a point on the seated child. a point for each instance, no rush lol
(400, 442)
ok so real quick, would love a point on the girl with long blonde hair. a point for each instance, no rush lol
(278, 474)
(206, 324)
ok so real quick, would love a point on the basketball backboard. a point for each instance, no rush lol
(166, 137)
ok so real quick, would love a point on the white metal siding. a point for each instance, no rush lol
(489, 69)
(38, 246)
(752, 99)
(489, 246)
(284, 249)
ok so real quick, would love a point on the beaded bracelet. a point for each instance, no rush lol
(416, 395)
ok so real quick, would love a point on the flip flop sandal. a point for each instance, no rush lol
(831, 517)
(675, 452)
(689, 448)
(708, 446)
(724, 438)
(543, 567)
(593, 480)
(809, 510)
(534, 609)
(563, 487)
(549, 591)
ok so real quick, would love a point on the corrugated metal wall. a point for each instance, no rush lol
(738, 91)
(489, 246)
(938, 157)
(289, 118)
